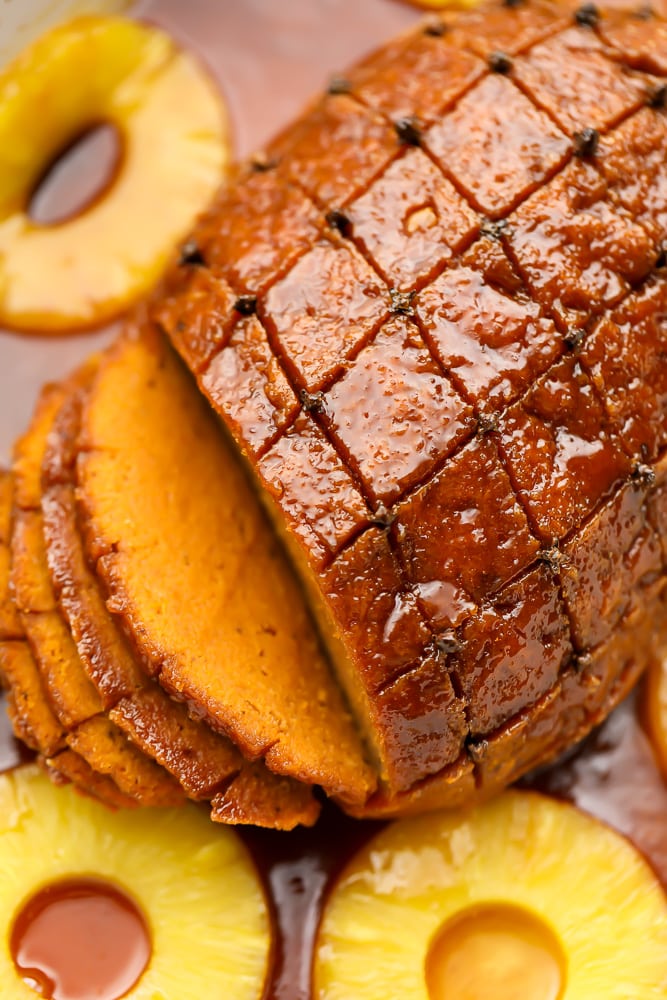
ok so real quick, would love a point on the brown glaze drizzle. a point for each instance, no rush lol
(299, 869)
(79, 938)
(614, 776)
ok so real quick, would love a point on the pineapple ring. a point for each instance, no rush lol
(655, 710)
(194, 882)
(174, 131)
(582, 883)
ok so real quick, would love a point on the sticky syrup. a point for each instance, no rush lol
(80, 938)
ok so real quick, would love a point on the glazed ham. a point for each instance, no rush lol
(430, 318)
(431, 315)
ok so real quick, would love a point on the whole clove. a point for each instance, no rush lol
(586, 142)
(246, 305)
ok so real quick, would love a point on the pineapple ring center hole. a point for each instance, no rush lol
(78, 177)
(78, 938)
(495, 950)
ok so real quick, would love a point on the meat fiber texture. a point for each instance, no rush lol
(432, 316)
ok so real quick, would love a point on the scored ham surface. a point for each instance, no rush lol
(432, 315)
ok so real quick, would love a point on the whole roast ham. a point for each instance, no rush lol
(431, 318)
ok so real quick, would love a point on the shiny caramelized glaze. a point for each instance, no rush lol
(448, 310)
(298, 43)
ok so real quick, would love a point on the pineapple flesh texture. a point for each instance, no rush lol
(591, 892)
(193, 881)
(175, 151)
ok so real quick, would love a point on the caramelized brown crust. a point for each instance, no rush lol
(203, 762)
(31, 689)
(451, 385)
(10, 626)
(32, 718)
(35, 724)
(584, 696)
(108, 751)
(253, 799)
(68, 766)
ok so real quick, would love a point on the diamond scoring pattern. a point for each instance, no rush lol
(632, 160)
(572, 77)
(420, 75)
(500, 156)
(501, 646)
(258, 228)
(471, 504)
(394, 412)
(331, 356)
(246, 383)
(639, 42)
(625, 356)
(580, 252)
(411, 220)
(342, 131)
(324, 309)
(488, 29)
(313, 488)
(485, 328)
(562, 455)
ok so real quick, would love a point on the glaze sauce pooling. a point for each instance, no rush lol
(499, 945)
(80, 938)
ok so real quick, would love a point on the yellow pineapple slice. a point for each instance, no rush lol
(175, 150)
(525, 898)
(194, 883)
(655, 709)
